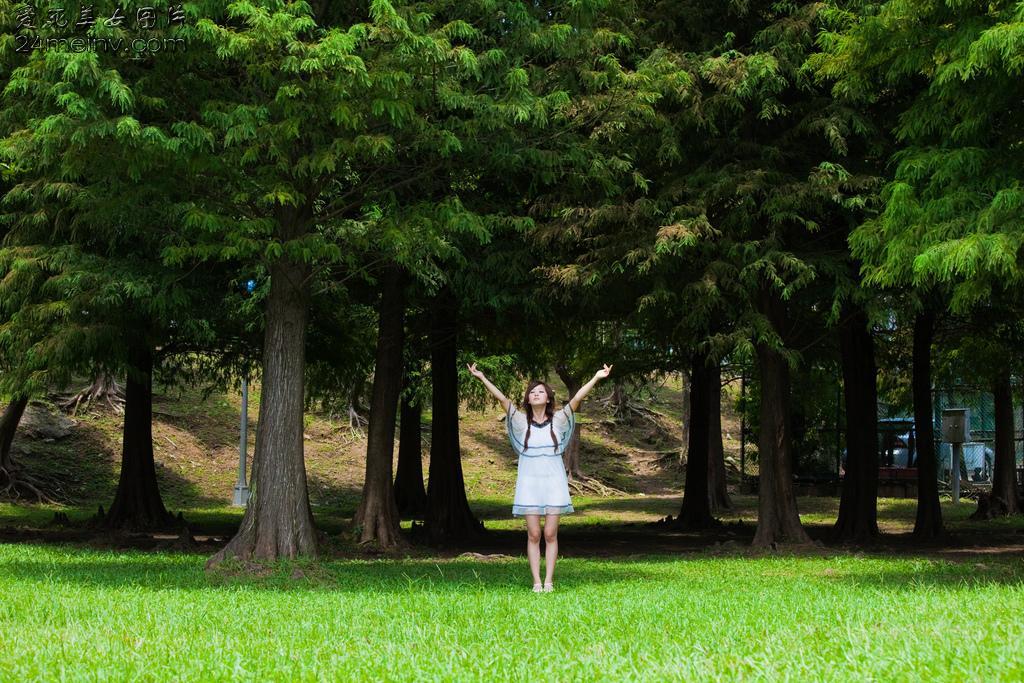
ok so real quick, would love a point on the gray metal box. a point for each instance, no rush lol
(956, 425)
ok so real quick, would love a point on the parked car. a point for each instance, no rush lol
(897, 447)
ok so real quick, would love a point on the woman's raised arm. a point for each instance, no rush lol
(574, 402)
(495, 391)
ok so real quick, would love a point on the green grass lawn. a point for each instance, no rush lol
(77, 614)
(72, 612)
(696, 611)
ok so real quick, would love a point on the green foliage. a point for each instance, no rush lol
(95, 179)
(342, 140)
(951, 218)
(745, 184)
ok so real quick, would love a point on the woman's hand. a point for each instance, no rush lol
(495, 391)
(574, 402)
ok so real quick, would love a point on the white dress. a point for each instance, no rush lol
(541, 485)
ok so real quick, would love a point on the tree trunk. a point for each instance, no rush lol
(8, 426)
(777, 520)
(1005, 499)
(928, 522)
(449, 517)
(137, 502)
(695, 512)
(718, 491)
(858, 503)
(377, 514)
(571, 456)
(278, 520)
(687, 411)
(410, 494)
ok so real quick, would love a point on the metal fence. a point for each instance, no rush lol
(819, 447)
(976, 466)
(818, 429)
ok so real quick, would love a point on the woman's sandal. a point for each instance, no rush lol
(548, 587)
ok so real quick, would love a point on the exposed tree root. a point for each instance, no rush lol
(356, 422)
(587, 485)
(17, 484)
(991, 507)
(104, 388)
(681, 523)
(967, 490)
(673, 457)
(60, 519)
(630, 411)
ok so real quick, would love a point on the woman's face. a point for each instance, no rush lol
(538, 396)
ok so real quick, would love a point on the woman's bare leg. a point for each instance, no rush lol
(550, 546)
(533, 545)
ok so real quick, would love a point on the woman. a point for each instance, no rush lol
(539, 435)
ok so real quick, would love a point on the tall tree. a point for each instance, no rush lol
(84, 287)
(695, 512)
(1005, 492)
(777, 517)
(951, 226)
(8, 426)
(324, 141)
(410, 491)
(449, 516)
(376, 518)
(858, 503)
(928, 518)
(718, 492)
(137, 502)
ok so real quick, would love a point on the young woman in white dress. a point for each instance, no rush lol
(539, 435)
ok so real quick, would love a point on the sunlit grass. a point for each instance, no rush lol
(84, 614)
(76, 613)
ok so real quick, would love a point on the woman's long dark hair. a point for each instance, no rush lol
(549, 411)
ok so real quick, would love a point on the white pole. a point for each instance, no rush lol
(958, 452)
(241, 489)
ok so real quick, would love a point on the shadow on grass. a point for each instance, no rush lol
(650, 505)
(591, 535)
(331, 498)
(213, 422)
(90, 568)
(497, 443)
(160, 572)
(87, 469)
